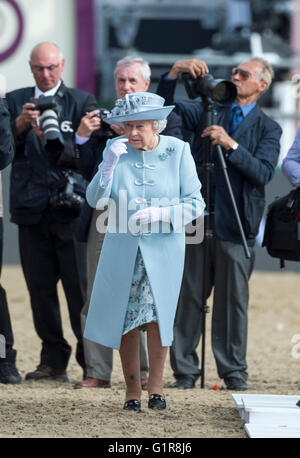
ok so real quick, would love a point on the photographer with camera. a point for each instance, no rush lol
(131, 74)
(46, 195)
(250, 142)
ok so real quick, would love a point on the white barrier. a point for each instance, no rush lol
(270, 415)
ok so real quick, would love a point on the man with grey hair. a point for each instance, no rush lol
(131, 74)
(251, 143)
(126, 85)
(45, 215)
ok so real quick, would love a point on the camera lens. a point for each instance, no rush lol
(49, 125)
(220, 91)
(224, 92)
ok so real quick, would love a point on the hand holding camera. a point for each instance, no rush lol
(27, 117)
(194, 67)
(95, 121)
(89, 123)
(42, 113)
(199, 83)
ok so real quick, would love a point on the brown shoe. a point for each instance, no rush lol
(43, 372)
(91, 382)
(144, 383)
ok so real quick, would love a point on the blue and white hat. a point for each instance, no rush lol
(139, 106)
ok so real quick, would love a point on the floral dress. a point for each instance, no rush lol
(141, 307)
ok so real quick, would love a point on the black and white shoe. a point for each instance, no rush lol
(132, 404)
(157, 401)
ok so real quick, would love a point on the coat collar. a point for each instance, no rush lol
(60, 91)
(247, 122)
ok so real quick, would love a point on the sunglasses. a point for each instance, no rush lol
(243, 74)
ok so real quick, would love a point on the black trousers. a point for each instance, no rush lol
(50, 252)
(228, 275)
(5, 322)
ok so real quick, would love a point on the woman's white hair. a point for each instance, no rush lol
(159, 125)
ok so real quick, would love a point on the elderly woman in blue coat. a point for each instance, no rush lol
(150, 184)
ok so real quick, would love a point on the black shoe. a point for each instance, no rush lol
(132, 404)
(184, 382)
(9, 373)
(156, 401)
(235, 384)
(43, 372)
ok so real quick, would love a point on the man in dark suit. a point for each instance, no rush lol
(250, 143)
(48, 249)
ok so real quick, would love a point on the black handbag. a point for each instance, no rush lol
(282, 230)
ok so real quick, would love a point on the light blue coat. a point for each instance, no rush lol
(167, 172)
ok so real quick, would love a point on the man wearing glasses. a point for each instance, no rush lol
(250, 143)
(48, 249)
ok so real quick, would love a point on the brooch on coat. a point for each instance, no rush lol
(164, 156)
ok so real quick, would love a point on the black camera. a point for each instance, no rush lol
(48, 122)
(105, 128)
(64, 195)
(221, 91)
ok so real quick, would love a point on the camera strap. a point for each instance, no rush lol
(61, 90)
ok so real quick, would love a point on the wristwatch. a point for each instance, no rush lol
(233, 148)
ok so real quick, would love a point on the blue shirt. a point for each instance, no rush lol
(237, 115)
(245, 109)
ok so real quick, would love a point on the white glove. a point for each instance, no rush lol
(152, 215)
(115, 150)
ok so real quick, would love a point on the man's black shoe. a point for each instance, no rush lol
(43, 372)
(184, 382)
(235, 384)
(9, 373)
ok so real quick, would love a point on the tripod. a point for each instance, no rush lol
(208, 231)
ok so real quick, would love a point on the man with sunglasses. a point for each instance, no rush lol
(49, 251)
(250, 141)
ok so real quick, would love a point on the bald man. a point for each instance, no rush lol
(48, 249)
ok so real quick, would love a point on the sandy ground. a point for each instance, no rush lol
(50, 409)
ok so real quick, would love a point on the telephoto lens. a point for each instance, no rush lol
(52, 136)
(48, 123)
(220, 91)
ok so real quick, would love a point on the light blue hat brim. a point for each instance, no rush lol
(153, 114)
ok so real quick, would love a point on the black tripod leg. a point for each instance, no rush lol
(224, 168)
(205, 308)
